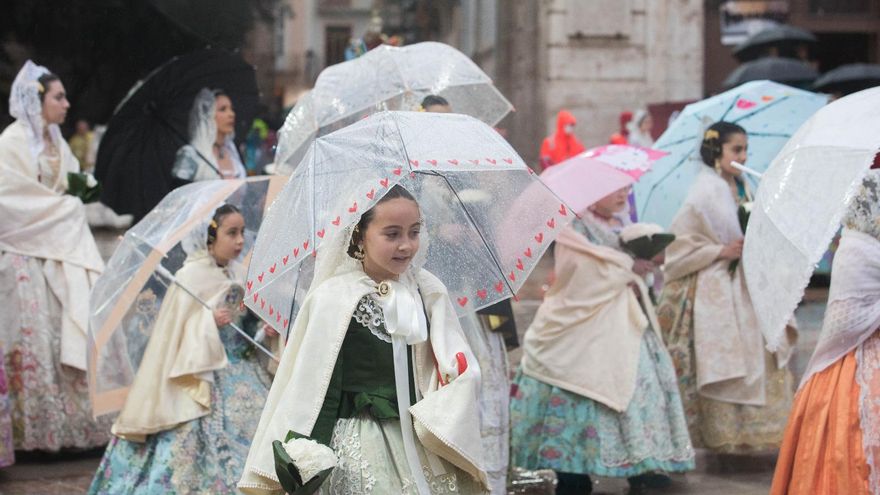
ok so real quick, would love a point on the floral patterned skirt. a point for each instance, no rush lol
(372, 460)
(205, 455)
(7, 446)
(721, 426)
(560, 430)
(49, 401)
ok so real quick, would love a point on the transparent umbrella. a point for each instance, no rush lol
(801, 201)
(126, 297)
(387, 78)
(488, 217)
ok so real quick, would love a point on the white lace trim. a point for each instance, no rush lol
(369, 314)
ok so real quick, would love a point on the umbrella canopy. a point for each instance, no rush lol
(802, 199)
(126, 297)
(487, 217)
(781, 35)
(387, 78)
(779, 69)
(148, 127)
(590, 176)
(770, 114)
(849, 78)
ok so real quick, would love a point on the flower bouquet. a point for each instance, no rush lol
(302, 464)
(742, 214)
(645, 240)
(84, 186)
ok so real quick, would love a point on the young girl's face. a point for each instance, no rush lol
(230, 239)
(734, 150)
(391, 239)
(614, 203)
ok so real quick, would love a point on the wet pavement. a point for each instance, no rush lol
(71, 472)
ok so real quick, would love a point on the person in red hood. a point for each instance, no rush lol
(562, 144)
(622, 135)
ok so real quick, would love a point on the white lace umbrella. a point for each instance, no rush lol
(126, 297)
(488, 217)
(799, 206)
(387, 78)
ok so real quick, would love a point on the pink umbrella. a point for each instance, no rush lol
(590, 176)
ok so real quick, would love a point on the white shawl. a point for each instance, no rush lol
(728, 345)
(39, 222)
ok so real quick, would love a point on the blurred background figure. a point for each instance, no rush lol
(622, 134)
(640, 129)
(211, 152)
(436, 104)
(563, 143)
(80, 143)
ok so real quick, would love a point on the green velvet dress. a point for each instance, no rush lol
(360, 421)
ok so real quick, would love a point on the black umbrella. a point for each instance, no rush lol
(137, 152)
(849, 78)
(782, 70)
(783, 36)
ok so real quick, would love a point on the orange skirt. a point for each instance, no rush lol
(822, 449)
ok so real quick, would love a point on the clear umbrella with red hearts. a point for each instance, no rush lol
(485, 235)
(769, 112)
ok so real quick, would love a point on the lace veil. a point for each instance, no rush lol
(203, 130)
(26, 105)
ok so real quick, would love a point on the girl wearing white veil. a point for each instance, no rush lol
(832, 441)
(376, 367)
(211, 152)
(199, 389)
(48, 264)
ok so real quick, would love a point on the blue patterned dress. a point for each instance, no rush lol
(552, 428)
(202, 456)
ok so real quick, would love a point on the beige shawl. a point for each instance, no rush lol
(446, 420)
(44, 223)
(728, 344)
(173, 381)
(586, 336)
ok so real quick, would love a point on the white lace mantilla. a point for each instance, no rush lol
(369, 314)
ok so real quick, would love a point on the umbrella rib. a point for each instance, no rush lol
(473, 223)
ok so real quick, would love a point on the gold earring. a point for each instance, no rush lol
(359, 254)
(718, 166)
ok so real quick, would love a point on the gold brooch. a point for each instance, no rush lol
(384, 288)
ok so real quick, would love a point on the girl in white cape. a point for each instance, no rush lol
(376, 367)
(596, 392)
(48, 263)
(192, 408)
(736, 394)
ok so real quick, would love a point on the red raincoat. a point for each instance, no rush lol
(560, 145)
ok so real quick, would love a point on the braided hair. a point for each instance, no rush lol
(714, 138)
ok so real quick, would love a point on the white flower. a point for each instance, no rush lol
(90, 181)
(637, 230)
(310, 457)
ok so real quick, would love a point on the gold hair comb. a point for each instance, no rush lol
(40, 87)
(711, 134)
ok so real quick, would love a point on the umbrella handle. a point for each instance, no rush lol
(165, 273)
